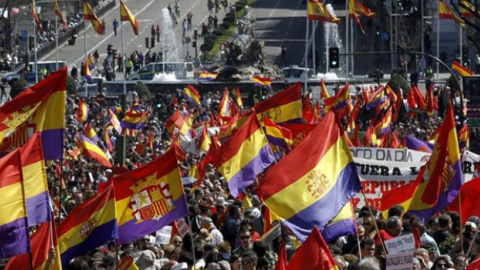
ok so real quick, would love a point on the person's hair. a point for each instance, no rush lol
(351, 259)
(233, 210)
(78, 264)
(233, 258)
(443, 220)
(415, 261)
(224, 247)
(250, 256)
(259, 248)
(392, 222)
(367, 242)
(396, 210)
(420, 251)
(446, 258)
(262, 261)
(369, 263)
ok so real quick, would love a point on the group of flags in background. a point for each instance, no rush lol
(125, 15)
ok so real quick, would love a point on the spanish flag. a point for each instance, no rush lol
(91, 225)
(361, 9)
(438, 182)
(445, 12)
(89, 15)
(352, 12)
(90, 149)
(319, 11)
(38, 108)
(461, 70)
(467, 9)
(126, 15)
(285, 106)
(150, 197)
(313, 254)
(192, 96)
(311, 184)
(35, 17)
(59, 15)
(278, 135)
(246, 154)
(13, 220)
(178, 121)
(323, 90)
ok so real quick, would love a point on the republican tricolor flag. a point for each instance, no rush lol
(126, 15)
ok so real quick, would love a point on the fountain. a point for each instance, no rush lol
(168, 40)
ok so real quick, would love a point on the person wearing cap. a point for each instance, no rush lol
(217, 237)
(204, 236)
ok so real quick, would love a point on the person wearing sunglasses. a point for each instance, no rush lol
(441, 263)
(245, 243)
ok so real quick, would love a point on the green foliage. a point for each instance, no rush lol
(239, 5)
(17, 87)
(396, 82)
(142, 91)
(71, 85)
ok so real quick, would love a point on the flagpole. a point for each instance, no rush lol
(123, 56)
(438, 41)
(306, 54)
(374, 221)
(460, 49)
(35, 42)
(56, 41)
(85, 61)
(461, 223)
(191, 239)
(314, 28)
(346, 40)
(351, 44)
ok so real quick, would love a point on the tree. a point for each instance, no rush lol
(17, 87)
(142, 91)
(71, 85)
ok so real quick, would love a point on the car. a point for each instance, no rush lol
(295, 73)
(19, 73)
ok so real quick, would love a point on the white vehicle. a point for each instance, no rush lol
(30, 77)
(182, 70)
(295, 73)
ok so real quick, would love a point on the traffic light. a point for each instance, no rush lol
(147, 42)
(465, 55)
(109, 49)
(333, 58)
(194, 44)
(152, 42)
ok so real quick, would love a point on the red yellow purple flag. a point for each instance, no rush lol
(13, 220)
(285, 106)
(39, 108)
(246, 154)
(311, 184)
(126, 15)
(150, 197)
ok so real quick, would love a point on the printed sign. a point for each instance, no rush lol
(402, 261)
(400, 244)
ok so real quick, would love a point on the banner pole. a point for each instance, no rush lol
(374, 222)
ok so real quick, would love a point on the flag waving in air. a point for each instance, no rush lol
(35, 17)
(319, 11)
(126, 15)
(318, 176)
(59, 15)
(89, 15)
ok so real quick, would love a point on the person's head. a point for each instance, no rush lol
(259, 248)
(224, 247)
(416, 264)
(235, 262)
(396, 210)
(249, 260)
(459, 261)
(441, 263)
(394, 226)
(422, 255)
(445, 222)
(263, 264)
(340, 262)
(369, 263)
(175, 254)
(367, 247)
(368, 223)
(246, 239)
(177, 241)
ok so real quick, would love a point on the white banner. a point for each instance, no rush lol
(402, 261)
(401, 244)
(389, 154)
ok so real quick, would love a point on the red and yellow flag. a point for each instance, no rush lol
(59, 14)
(89, 15)
(318, 11)
(126, 15)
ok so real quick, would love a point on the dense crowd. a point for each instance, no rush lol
(226, 232)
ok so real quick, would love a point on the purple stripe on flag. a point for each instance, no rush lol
(327, 207)
(52, 141)
(14, 238)
(99, 236)
(419, 145)
(132, 230)
(375, 103)
(38, 209)
(246, 175)
(276, 141)
(446, 197)
(130, 125)
(190, 100)
(337, 229)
